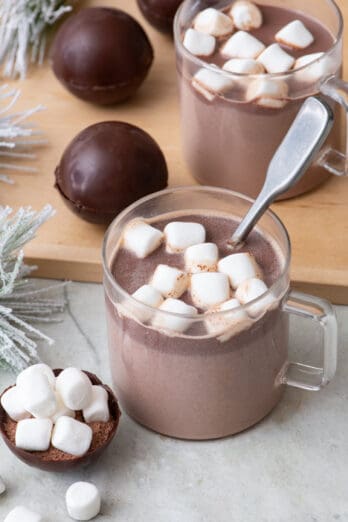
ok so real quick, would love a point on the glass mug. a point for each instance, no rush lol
(205, 386)
(229, 142)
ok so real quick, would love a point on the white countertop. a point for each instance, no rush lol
(292, 467)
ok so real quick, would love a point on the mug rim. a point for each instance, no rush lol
(217, 70)
(199, 316)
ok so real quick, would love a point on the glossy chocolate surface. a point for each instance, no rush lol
(160, 13)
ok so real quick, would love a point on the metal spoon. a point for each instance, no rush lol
(293, 157)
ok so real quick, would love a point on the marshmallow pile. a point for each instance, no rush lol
(214, 285)
(45, 406)
(228, 33)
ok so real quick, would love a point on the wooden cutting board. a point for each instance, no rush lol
(69, 248)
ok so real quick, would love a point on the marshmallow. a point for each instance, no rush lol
(172, 323)
(147, 295)
(246, 15)
(37, 395)
(83, 501)
(214, 22)
(23, 514)
(295, 35)
(316, 67)
(199, 44)
(268, 92)
(210, 83)
(238, 268)
(276, 60)
(253, 289)
(201, 258)
(41, 368)
(170, 281)
(61, 410)
(98, 409)
(141, 239)
(34, 434)
(242, 45)
(209, 289)
(75, 388)
(180, 235)
(244, 66)
(2, 486)
(12, 404)
(228, 323)
(71, 436)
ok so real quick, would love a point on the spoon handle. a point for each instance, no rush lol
(295, 154)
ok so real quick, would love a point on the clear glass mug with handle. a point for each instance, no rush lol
(209, 382)
(227, 139)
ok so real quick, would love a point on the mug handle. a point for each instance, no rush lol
(333, 160)
(320, 311)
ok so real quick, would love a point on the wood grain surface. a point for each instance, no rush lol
(69, 248)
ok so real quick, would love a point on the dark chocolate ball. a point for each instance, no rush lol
(101, 55)
(107, 167)
(160, 13)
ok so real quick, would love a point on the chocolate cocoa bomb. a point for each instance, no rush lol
(107, 167)
(160, 13)
(101, 55)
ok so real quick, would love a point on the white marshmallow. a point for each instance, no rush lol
(214, 22)
(181, 235)
(141, 239)
(2, 486)
(268, 92)
(199, 44)
(62, 410)
(238, 268)
(276, 60)
(209, 289)
(242, 45)
(34, 434)
(170, 281)
(41, 368)
(317, 67)
(37, 395)
(295, 35)
(228, 323)
(72, 436)
(98, 409)
(246, 15)
(201, 258)
(83, 501)
(75, 388)
(147, 295)
(210, 83)
(174, 323)
(253, 289)
(23, 514)
(12, 404)
(244, 66)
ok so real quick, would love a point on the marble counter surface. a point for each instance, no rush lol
(292, 467)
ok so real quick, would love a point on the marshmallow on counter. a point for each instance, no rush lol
(276, 60)
(295, 35)
(209, 289)
(210, 83)
(238, 268)
(75, 388)
(2, 486)
(98, 409)
(199, 44)
(71, 436)
(173, 323)
(201, 258)
(253, 289)
(34, 434)
(246, 15)
(214, 22)
(62, 410)
(316, 67)
(147, 295)
(83, 501)
(228, 324)
(181, 235)
(12, 404)
(37, 395)
(23, 514)
(35, 369)
(242, 45)
(268, 92)
(244, 66)
(141, 239)
(170, 281)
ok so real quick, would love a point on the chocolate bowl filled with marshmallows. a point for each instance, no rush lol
(198, 333)
(244, 70)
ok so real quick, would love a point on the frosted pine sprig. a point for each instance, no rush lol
(22, 32)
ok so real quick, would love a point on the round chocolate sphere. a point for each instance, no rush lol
(160, 13)
(107, 167)
(101, 55)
